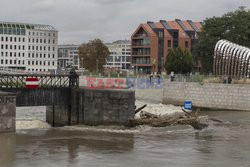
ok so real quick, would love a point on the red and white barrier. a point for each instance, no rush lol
(32, 83)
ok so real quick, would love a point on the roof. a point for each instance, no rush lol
(68, 46)
(27, 26)
(188, 26)
(185, 25)
(198, 25)
(146, 28)
(175, 25)
(166, 33)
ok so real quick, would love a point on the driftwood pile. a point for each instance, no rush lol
(178, 118)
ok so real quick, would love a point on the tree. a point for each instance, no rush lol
(233, 26)
(92, 55)
(179, 61)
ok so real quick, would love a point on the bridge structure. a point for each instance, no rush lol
(66, 103)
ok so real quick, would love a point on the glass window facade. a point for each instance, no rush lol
(12, 29)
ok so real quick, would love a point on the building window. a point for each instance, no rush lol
(169, 44)
(161, 34)
(186, 44)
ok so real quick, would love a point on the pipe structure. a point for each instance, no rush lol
(231, 59)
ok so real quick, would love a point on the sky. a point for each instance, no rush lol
(79, 21)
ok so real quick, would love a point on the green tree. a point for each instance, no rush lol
(93, 55)
(233, 26)
(179, 61)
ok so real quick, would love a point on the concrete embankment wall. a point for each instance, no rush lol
(40, 96)
(94, 107)
(207, 95)
(7, 112)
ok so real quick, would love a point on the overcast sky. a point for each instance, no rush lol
(81, 20)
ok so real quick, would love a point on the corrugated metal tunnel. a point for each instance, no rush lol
(231, 60)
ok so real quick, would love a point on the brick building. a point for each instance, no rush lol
(151, 41)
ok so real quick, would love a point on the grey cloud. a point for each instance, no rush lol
(82, 20)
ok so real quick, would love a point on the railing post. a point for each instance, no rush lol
(73, 79)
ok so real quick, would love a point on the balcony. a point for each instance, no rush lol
(141, 65)
(141, 61)
(141, 52)
(140, 46)
(145, 43)
(140, 55)
(140, 36)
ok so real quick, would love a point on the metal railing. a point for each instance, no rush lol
(43, 80)
(177, 77)
(7, 70)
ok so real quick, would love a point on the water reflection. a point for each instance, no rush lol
(7, 149)
(219, 145)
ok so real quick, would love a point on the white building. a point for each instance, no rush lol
(68, 56)
(30, 47)
(120, 52)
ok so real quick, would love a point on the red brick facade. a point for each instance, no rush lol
(151, 41)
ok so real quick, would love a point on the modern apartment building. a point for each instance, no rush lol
(68, 56)
(120, 52)
(29, 47)
(151, 41)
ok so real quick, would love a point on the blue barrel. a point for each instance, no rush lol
(188, 105)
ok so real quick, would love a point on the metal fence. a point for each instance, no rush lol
(177, 77)
(43, 81)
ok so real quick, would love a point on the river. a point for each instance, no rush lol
(36, 144)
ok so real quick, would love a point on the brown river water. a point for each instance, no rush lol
(35, 144)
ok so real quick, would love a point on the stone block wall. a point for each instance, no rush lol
(108, 106)
(58, 117)
(7, 112)
(208, 95)
(94, 107)
(204, 95)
